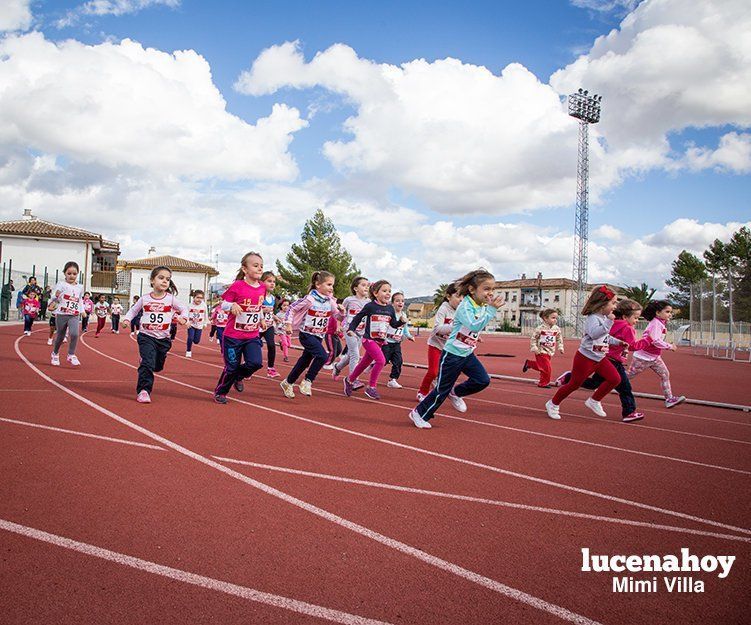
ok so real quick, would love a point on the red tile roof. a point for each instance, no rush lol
(173, 262)
(46, 230)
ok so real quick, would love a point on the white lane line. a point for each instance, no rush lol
(86, 434)
(434, 454)
(491, 502)
(277, 601)
(24, 390)
(567, 439)
(471, 576)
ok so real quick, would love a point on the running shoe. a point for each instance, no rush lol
(239, 386)
(674, 401)
(596, 407)
(143, 397)
(554, 412)
(289, 389)
(348, 387)
(634, 416)
(55, 360)
(458, 403)
(372, 392)
(306, 387)
(73, 360)
(272, 373)
(418, 420)
(392, 383)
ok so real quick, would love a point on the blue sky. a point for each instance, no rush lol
(646, 179)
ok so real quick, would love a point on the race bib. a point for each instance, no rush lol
(101, 312)
(268, 315)
(600, 346)
(221, 317)
(316, 321)
(379, 326)
(465, 336)
(196, 315)
(351, 315)
(395, 334)
(249, 319)
(547, 340)
(69, 305)
(156, 319)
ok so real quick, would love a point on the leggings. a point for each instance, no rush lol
(28, 321)
(194, 336)
(115, 323)
(285, 342)
(541, 363)
(582, 368)
(268, 336)
(220, 338)
(658, 366)
(100, 321)
(84, 323)
(353, 353)
(374, 354)
(333, 347)
(213, 331)
(434, 362)
(63, 323)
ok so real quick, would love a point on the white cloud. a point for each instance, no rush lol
(732, 155)
(692, 235)
(120, 105)
(111, 7)
(608, 232)
(457, 135)
(672, 64)
(606, 6)
(15, 15)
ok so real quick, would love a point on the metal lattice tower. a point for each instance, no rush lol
(585, 108)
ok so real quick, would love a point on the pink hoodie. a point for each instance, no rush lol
(298, 311)
(625, 332)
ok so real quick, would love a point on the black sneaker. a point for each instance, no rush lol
(525, 368)
(239, 386)
(220, 399)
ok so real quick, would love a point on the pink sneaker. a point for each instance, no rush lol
(143, 398)
(272, 373)
(73, 360)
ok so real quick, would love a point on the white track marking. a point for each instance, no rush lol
(277, 601)
(471, 576)
(86, 434)
(515, 429)
(491, 502)
(427, 452)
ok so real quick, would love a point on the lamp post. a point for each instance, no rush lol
(586, 108)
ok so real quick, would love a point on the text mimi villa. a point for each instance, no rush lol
(686, 562)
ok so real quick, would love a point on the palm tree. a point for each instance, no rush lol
(439, 294)
(642, 293)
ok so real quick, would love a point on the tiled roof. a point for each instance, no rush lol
(544, 283)
(46, 229)
(173, 262)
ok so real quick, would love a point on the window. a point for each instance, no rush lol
(513, 299)
(506, 295)
(547, 299)
(557, 298)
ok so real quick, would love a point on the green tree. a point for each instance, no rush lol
(686, 271)
(642, 293)
(439, 294)
(319, 248)
(739, 249)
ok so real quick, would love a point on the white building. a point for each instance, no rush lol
(133, 276)
(35, 247)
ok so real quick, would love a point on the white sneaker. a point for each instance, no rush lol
(419, 421)
(457, 402)
(65, 340)
(143, 397)
(49, 341)
(55, 360)
(306, 387)
(328, 367)
(288, 389)
(421, 397)
(26, 333)
(189, 354)
(596, 407)
(394, 384)
(73, 360)
(561, 379)
(554, 412)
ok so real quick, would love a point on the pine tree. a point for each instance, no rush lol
(687, 270)
(319, 248)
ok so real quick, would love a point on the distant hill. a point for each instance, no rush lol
(418, 300)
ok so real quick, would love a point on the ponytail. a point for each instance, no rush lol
(318, 277)
(241, 274)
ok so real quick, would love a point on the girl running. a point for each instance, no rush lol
(333, 342)
(352, 305)
(101, 308)
(478, 306)
(218, 323)
(543, 342)
(115, 312)
(198, 317)
(88, 307)
(310, 315)
(658, 313)
(442, 324)
(378, 314)
(68, 303)
(158, 309)
(392, 348)
(242, 342)
(135, 324)
(590, 358)
(269, 279)
(31, 308)
(627, 313)
(284, 340)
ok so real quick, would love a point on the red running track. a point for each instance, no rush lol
(329, 509)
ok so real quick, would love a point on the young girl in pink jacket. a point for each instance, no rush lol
(658, 313)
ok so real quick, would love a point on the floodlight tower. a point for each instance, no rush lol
(585, 108)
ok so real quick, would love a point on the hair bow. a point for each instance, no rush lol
(606, 291)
